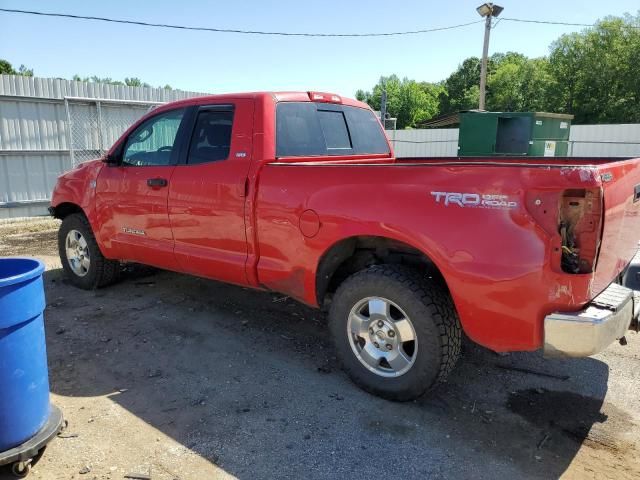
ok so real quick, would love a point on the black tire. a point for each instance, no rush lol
(434, 319)
(101, 271)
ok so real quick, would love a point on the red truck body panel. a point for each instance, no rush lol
(268, 222)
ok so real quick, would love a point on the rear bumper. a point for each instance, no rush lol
(586, 332)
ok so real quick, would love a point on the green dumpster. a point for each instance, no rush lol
(536, 134)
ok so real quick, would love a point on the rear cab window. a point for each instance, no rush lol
(306, 129)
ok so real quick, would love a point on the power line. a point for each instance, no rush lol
(286, 34)
(551, 22)
(233, 30)
(548, 22)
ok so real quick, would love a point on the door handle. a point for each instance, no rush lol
(157, 182)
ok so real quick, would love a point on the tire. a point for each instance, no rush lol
(87, 268)
(405, 295)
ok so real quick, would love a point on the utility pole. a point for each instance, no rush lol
(383, 107)
(487, 10)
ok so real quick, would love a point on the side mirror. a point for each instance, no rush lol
(110, 159)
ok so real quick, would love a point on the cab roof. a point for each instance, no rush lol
(311, 96)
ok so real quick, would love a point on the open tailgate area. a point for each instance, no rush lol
(621, 226)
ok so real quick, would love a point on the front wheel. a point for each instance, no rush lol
(396, 332)
(81, 257)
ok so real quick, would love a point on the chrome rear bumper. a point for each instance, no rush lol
(586, 332)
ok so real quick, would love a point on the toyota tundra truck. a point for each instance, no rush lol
(300, 193)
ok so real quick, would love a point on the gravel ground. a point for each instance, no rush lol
(186, 378)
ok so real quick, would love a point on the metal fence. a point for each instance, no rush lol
(95, 124)
(622, 140)
(49, 125)
(434, 142)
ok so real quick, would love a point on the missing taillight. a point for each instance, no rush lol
(579, 226)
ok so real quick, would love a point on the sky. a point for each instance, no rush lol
(224, 62)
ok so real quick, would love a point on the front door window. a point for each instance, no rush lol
(152, 143)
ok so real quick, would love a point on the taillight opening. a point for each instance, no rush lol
(580, 227)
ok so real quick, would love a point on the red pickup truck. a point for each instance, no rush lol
(300, 193)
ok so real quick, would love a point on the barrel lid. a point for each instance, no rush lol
(19, 269)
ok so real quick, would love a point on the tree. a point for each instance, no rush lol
(25, 72)
(96, 79)
(135, 82)
(129, 82)
(461, 88)
(363, 96)
(519, 84)
(7, 69)
(407, 100)
(510, 77)
(596, 71)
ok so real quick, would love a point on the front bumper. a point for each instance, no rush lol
(586, 332)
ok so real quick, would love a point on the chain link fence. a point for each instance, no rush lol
(95, 124)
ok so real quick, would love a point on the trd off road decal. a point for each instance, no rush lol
(474, 200)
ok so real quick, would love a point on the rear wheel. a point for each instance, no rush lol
(396, 332)
(81, 257)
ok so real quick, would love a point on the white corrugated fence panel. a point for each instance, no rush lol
(32, 126)
(30, 177)
(435, 142)
(34, 132)
(622, 140)
(116, 119)
(60, 88)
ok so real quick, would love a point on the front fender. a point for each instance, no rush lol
(77, 187)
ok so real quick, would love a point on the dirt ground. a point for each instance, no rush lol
(185, 378)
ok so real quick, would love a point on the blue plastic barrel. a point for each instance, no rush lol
(24, 379)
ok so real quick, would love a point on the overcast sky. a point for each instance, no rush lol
(217, 62)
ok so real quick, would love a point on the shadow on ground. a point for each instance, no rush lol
(249, 381)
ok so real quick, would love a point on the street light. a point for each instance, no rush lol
(487, 10)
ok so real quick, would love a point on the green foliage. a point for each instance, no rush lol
(462, 90)
(593, 74)
(407, 100)
(129, 82)
(25, 72)
(7, 69)
(519, 84)
(135, 82)
(597, 71)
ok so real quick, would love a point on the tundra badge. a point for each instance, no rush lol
(133, 231)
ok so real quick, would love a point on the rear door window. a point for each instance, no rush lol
(316, 129)
(298, 131)
(211, 138)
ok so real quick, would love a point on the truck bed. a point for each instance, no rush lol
(502, 263)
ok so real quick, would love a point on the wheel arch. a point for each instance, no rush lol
(352, 254)
(65, 209)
